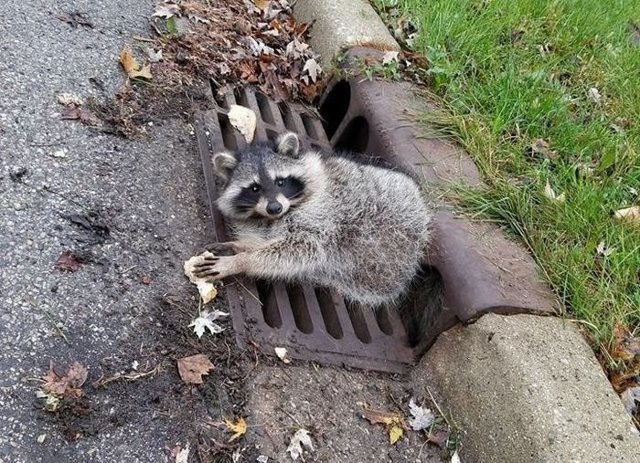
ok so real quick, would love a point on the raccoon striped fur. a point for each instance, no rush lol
(306, 217)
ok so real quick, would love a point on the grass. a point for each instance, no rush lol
(509, 73)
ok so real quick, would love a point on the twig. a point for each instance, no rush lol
(126, 377)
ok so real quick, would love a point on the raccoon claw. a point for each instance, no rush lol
(215, 267)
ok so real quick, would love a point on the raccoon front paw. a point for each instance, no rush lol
(215, 267)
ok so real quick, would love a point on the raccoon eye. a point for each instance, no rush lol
(280, 182)
(255, 187)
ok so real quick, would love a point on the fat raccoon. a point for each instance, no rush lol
(306, 217)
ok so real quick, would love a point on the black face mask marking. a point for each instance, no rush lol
(290, 187)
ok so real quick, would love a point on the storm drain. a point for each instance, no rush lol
(311, 323)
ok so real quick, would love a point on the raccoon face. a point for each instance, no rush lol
(265, 180)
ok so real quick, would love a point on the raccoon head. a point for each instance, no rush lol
(267, 180)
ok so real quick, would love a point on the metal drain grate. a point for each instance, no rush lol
(312, 323)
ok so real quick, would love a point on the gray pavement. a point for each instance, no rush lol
(145, 191)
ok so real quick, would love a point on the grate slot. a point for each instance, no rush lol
(241, 97)
(309, 126)
(271, 134)
(358, 321)
(270, 311)
(265, 108)
(287, 116)
(228, 137)
(384, 321)
(299, 309)
(328, 312)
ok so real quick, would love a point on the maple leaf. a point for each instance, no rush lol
(205, 322)
(422, 417)
(67, 262)
(300, 438)
(192, 368)
(312, 67)
(239, 428)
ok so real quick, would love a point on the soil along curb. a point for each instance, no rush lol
(341, 24)
(525, 388)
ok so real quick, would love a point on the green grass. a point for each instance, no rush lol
(510, 72)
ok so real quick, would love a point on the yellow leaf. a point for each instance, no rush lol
(239, 428)
(261, 4)
(395, 433)
(132, 67)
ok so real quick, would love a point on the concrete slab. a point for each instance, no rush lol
(528, 389)
(341, 24)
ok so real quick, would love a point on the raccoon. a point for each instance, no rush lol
(322, 219)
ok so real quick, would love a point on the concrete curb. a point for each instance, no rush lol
(525, 388)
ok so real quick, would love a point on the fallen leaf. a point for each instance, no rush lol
(81, 114)
(192, 368)
(390, 56)
(166, 11)
(262, 459)
(312, 67)
(239, 428)
(154, 56)
(67, 262)
(603, 250)
(625, 346)
(439, 438)
(181, 455)
(262, 4)
(68, 99)
(132, 67)
(421, 419)
(41, 438)
(299, 440)
(540, 146)
(207, 290)
(380, 417)
(551, 195)
(630, 397)
(594, 95)
(629, 214)
(65, 385)
(244, 120)
(455, 458)
(395, 433)
(281, 352)
(206, 322)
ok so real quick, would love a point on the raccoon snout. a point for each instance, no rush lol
(274, 208)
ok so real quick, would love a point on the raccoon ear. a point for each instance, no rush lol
(223, 163)
(289, 145)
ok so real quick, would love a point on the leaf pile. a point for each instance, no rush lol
(624, 349)
(240, 42)
(57, 386)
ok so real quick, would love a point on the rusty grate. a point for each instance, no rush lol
(312, 323)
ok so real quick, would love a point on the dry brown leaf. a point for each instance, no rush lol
(262, 4)
(380, 417)
(68, 384)
(67, 262)
(132, 67)
(192, 368)
(541, 146)
(629, 214)
(239, 428)
(81, 114)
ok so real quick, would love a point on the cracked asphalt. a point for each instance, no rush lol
(145, 197)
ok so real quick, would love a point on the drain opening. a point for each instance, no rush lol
(355, 137)
(270, 311)
(382, 317)
(272, 135)
(309, 127)
(228, 137)
(300, 309)
(287, 116)
(358, 321)
(335, 106)
(220, 99)
(265, 108)
(241, 97)
(329, 314)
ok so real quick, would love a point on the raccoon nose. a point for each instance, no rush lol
(274, 208)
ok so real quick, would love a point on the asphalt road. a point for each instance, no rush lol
(130, 209)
